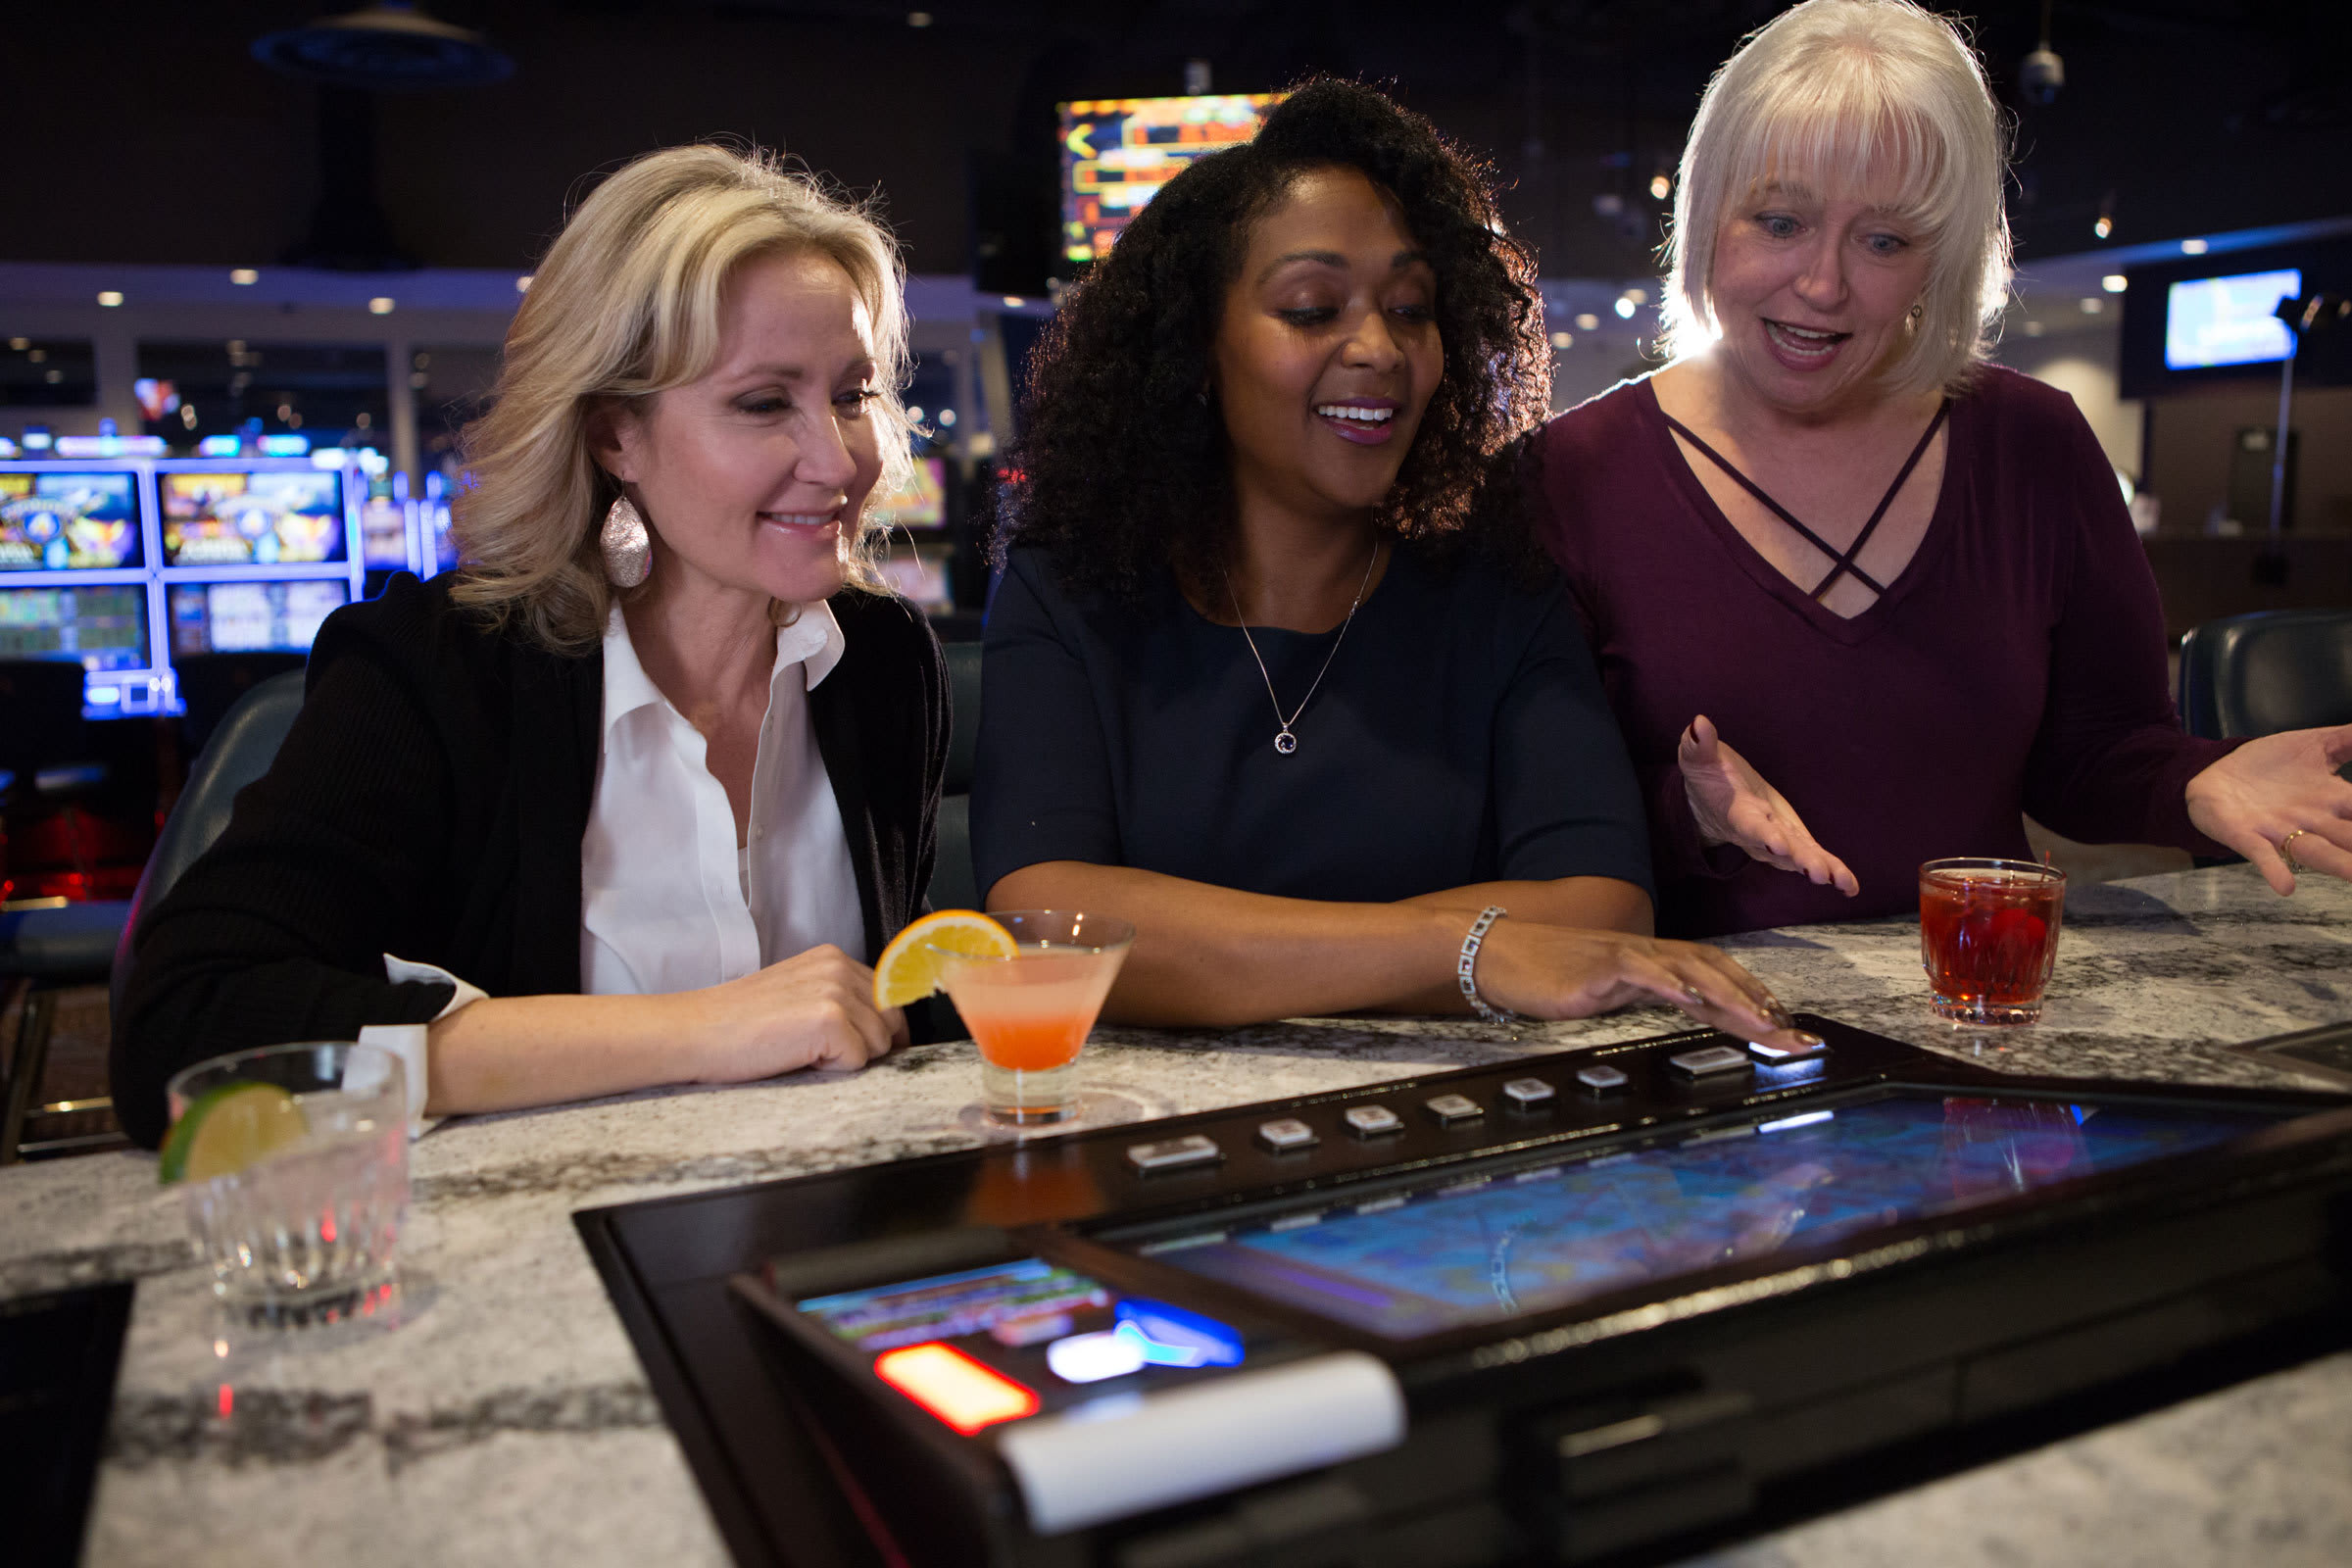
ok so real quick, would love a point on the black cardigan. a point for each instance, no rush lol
(430, 801)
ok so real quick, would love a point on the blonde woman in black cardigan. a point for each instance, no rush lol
(633, 797)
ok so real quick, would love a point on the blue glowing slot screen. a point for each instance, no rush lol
(101, 628)
(237, 617)
(67, 522)
(265, 517)
(1532, 1241)
(980, 1300)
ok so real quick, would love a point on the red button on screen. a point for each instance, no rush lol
(953, 1387)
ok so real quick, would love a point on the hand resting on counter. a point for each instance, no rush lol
(814, 1010)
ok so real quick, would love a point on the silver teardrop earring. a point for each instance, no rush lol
(628, 550)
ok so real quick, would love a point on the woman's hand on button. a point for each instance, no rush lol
(1557, 971)
(1732, 805)
(814, 1010)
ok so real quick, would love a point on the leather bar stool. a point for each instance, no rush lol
(2272, 670)
(241, 749)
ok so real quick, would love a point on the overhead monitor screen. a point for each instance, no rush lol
(240, 518)
(1455, 1254)
(245, 617)
(2228, 321)
(103, 628)
(1117, 152)
(921, 504)
(66, 521)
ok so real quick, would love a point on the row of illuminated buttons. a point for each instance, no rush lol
(1288, 1134)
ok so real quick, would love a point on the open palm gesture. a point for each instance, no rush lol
(1734, 806)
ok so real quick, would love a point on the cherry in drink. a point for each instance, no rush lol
(1989, 936)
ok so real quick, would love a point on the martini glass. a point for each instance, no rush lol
(1030, 1013)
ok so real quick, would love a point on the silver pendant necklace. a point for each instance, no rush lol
(1285, 741)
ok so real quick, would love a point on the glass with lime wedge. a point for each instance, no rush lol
(293, 1163)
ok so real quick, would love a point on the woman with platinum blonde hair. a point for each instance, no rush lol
(629, 797)
(1860, 598)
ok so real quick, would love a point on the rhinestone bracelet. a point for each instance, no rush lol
(1466, 969)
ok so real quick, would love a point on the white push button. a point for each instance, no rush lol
(1525, 1091)
(1601, 1078)
(1174, 1153)
(1765, 1050)
(1287, 1134)
(1455, 1108)
(1370, 1121)
(1713, 1060)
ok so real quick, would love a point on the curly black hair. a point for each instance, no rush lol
(1123, 469)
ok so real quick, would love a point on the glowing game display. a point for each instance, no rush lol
(69, 522)
(1541, 1239)
(921, 504)
(100, 628)
(1009, 1299)
(240, 618)
(238, 518)
(2228, 321)
(1117, 152)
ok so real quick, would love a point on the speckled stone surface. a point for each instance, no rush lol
(505, 1418)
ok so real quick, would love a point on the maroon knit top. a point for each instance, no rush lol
(2016, 664)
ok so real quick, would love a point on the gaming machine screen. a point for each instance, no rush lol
(69, 522)
(238, 518)
(1419, 1261)
(100, 628)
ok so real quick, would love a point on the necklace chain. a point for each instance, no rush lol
(1285, 741)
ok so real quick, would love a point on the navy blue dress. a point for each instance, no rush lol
(1461, 735)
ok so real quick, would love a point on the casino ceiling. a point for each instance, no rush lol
(160, 138)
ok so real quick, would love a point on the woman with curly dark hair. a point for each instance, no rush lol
(1272, 671)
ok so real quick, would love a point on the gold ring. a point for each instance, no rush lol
(2294, 867)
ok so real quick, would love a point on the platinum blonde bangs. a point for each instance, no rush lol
(1876, 100)
(625, 306)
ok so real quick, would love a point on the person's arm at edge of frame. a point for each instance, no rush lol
(2111, 762)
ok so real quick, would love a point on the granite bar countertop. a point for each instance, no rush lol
(505, 1418)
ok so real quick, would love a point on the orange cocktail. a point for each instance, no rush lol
(1030, 1013)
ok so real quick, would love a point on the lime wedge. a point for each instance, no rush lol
(227, 1129)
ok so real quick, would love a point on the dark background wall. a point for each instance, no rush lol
(147, 132)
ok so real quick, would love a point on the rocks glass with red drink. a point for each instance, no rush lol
(1988, 935)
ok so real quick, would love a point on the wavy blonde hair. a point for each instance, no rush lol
(1834, 96)
(625, 306)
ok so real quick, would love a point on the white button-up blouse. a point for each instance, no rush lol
(669, 900)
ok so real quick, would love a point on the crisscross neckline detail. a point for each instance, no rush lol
(1842, 563)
